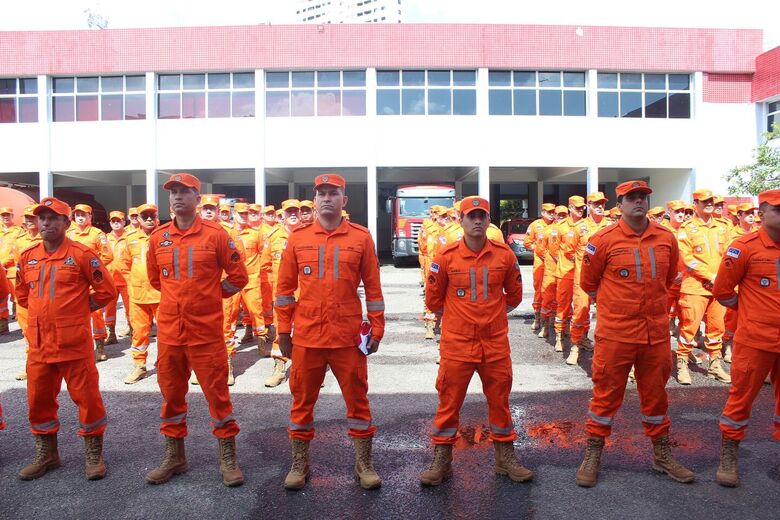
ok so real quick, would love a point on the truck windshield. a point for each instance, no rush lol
(418, 206)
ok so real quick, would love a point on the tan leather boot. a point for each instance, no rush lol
(728, 474)
(588, 473)
(727, 351)
(278, 375)
(174, 463)
(299, 472)
(545, 329)
(364, 465)
(574, 355)
(138, 373)
(585, 344)
(558, 342)
(100, 350)
(441, 466)
(263, 345)
(231, 473)
(664, 461)
(248, 335)
(716, 371)
(95, 468)
(231, 378)
(632, 374)
(507, 463)
(4, 326)
(429, 324)
(111, 339)
(127, 331)
(683, 376)
(46, 457)
(537, 324)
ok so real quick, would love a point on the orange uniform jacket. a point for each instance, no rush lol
(23, 242)
(569, 235)
(474, 291)
(118, 245)
(535, 236)
(186, 266)
(493, 233)
(551, 249)
(133, 261)
(55, 290)
(752, 262)
(701, 248)
(328, 268)
(582, 242)
(8, 237)
(628, 276)
(94, 239)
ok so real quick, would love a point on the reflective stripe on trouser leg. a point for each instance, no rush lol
(82, 380)
(43, 385)
(611, 363)
(653, 367)
(141, 316)
(749, 368)
(452, 384)
(210, 364)
(98, 325)
(173, 372)
(563, 295)
(350, 368)
(496, 379)
(306, 376)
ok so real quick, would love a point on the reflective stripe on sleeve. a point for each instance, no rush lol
(284, 301)
(296, 427)
(734, 424)
(41, 278)
(336, 262)
(651, 252)
(473, 278)
(176, 419)
(378, 305)
(606, 421)
(638, 262)
(446, 432)
(777, 268)
(730, 302)
(229, 287)
(357, 424)
(653, 419)
(95, 425)
(189, 262)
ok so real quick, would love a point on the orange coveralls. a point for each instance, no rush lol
(328, 268)
(730, 319)
(674, 291)
(580, 324)
(252, 295)
(97, 241)
(144, 299)
(752, 263)
(628, 276)
(186, 266)
(701, 247)
(117, 246)
(474, 291)
(23, 242)
(569, 233)
(534, 239)
(549, 282)
(59, 289)
(231, 305)
(270, 262)
(8, 237)
(5, 290)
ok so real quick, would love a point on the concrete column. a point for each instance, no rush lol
(129, 195)
(372, 196)
(372, 181)
(260, 131)
(458, 190)
(207, 187)
(291, 189)
(592, 107)
(539, 196)
(45, 177)
(698, 94)
(534, 199)
(152, 196)
(483, 181)
(483, 112)
(592, 176)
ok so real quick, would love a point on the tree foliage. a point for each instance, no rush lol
(763, 174)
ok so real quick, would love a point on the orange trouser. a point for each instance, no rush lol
(111, 307)
(229, 316)
(564, 294)
(452, 384)
(4, 314)
(98, 325)
(209, 362)
(4, 305)
(549, 289)
(673, 300)
(422, 259)
(43, 386)
(141, 316)
(730, 324)
(749, 368)
(580, 324)
(350, 368)
(694, 308)
(253, 310)
(612, 361)
(538, 277)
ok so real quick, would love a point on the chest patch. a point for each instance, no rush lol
(166, 243)
(165, 272)
(70, 261)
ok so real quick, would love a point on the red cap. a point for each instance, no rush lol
(269, 209)
(29, 211)
(307, 204)
(469, 204)
(222, 207)
(52, 204)
(632, 186)
(257, 208)
(332, 179)
(185, 179)
(746, 206)
(86, 208)
(770, 196)
(291, 203)
(657, 210)
(675, 205)
(561, 209)
(132, 211)
(718, 199)
(116, 214)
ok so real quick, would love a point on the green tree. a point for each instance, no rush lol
(761, 175)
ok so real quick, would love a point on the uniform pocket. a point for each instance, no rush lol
(72, 334)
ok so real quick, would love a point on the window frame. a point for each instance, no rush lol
(319, 90)
(515, 90)
(427, 86)
(206, 90)
(100, 93)
(643, 92)
(17, 96)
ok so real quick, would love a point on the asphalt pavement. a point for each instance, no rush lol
(549, 401)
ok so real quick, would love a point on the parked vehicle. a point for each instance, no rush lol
(514, 232)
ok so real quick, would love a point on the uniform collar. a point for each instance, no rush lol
(60, 252)
(194, 228)
(630, 232)
(766, 239)
(465, 252)
(342, 228)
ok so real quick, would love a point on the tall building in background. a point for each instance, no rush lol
(348, 11)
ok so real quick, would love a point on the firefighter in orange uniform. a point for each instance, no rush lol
(438, 215)
(255, 216)
(29, 238)
(627, 270)
(9, 233)
(307, 213)
(269, 219)
(549, 281)
(185, 262)
(656, 214)
(84, 233)
(326, 262)
(676, 219)
(534, 241)
(144, 299)
(117, 240)
(60, 282)
(752, 263)
(703, 242)
(135, 223)
(569, 231)
(474, 283)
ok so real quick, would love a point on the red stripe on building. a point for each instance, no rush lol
(727, 88)
(766, 81)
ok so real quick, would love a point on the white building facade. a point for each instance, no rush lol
(348, 11)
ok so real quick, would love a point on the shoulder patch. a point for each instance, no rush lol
(590, 249)
(434, 267)
(733, 252)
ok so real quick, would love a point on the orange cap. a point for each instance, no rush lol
(143, 208)
(576, 201)
(718, 199)
(185, 179)
(209, 200)
(657, 210)
(561, 209)
(469, 204)
(632, 186)
(307, 204)
(675, 205)
(746, 206)
(548, 206)
(6, 210)
(344, 213)
(703, 194)
(241, 207)
(223, 207)
(257, 208)
(597, 196)
(269, 209)
(279, 212)
(615, 212)
(332, 179)
(116, 214)
(86, 208)
(29, 211)
(732, 208)
(770, 196)
(291, 203)
(132, 211)
(453, 211)
(437, 209)
(52, 204)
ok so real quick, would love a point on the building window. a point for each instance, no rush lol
(320, 93)
(99, 98)
(426, 92)
(773, 115)
(18, 100)
(212, 95)
(536, 93)
(656, 96)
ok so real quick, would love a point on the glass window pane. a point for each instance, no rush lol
(439, 101)
(243, 80)
(28, 86)
(135, 83)
(771, 120)
(413, 77)
(28, 110)
(193, 105)
(169, 106)
(7, 110)
(328, 102)
(464, 78)
(354, 78)
(655, 104)
(328, 78)
(607, 80)
(499, 78)
(631, 81)
(464, 102)
(112, 83)
(194, 81)
(302, 103)
(353, 103)
(388, 102)
(608, 104)
(61, 85)
(135, 107)
(680, 106)
(86, 84)
(773, 107)
(219, 103)
(500, 102)
(439, 78)
(243, 104)
(679, 82)
(573, 79)
(413, 101)
(169, 82)
(218, 81)
(387, 78)
(524, 79)
(550, 103)
(86, 108)
(549, 79)
(574, 102)
(111, 107)
(630, 104)
(525, 102)
(277, 79)
(655, 81)
(303, 79)
(8, 86)
(277, 104)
